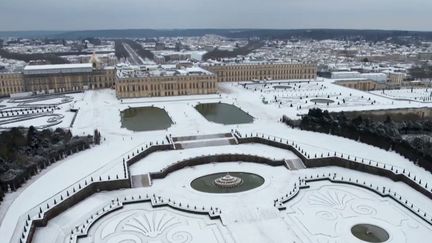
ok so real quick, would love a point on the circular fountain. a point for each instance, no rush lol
(370, 233)
(227, 182)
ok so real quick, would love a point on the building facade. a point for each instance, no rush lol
(364, 85)
(11, 83)
(184, 80)
(396, 79)
(262, 71)
(166, 85)
(57, 79)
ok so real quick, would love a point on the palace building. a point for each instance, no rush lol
(165, 82)
(66, 78)
(262, 71)
(59, 78)
(146, 81)
(11, 83)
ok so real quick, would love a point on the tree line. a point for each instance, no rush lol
(25, 151)
(421, 72)
(410, 139)
(217, 54)
(49, 57)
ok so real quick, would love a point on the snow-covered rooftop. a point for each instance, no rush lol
(159, 70)
(58, 68)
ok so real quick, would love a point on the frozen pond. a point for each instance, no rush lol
(369, 233)
(223, 113)
(145, 119)
(282, 87)
(322, 101)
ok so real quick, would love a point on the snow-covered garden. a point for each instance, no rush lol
(294, 202)
(414, 94)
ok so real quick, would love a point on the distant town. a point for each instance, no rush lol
(164, 66)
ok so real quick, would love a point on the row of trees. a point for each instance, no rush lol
(421, 72)
(51, 58)
(384, 134)
(243, 51)
(24, 151)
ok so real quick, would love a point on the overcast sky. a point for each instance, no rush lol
(281, 14)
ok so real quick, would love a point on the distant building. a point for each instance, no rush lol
(345, 75)
(360, 84)
(11, 83)
(262, 71)
(360, 81)
(396, 78)
(377, 77)
(57, 78)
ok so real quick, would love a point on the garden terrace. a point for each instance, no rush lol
(40, 215)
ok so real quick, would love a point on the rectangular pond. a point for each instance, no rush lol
(224, 113)
(145, 119)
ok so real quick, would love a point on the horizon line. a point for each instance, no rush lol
(214, 28)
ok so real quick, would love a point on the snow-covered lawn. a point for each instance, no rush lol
(415, 94)
(325, 211)
(35, 111)
(297, 97)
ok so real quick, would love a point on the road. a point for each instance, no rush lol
(133, 58)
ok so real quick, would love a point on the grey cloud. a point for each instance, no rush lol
(115, 14)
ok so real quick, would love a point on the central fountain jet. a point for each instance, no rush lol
(228, 181)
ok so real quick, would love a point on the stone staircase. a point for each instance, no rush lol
(294, 164)
(207, 140)
(141, 180)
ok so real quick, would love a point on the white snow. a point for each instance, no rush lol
(251, 217)
(101, 110)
